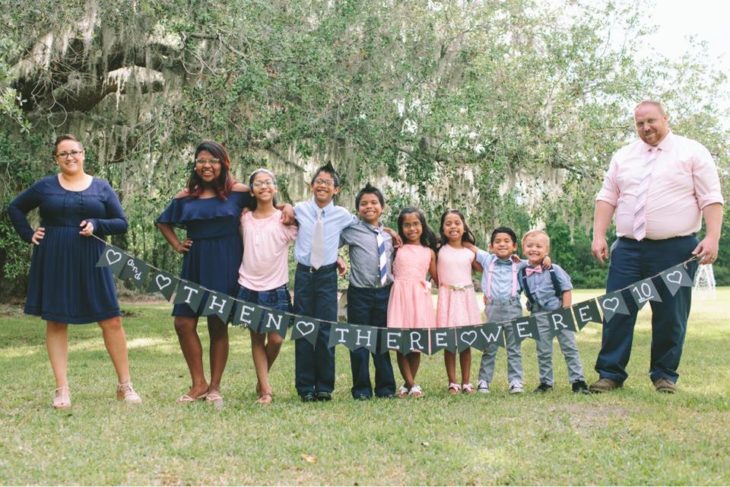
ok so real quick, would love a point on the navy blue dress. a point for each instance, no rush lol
(215, 256)
(64, 283)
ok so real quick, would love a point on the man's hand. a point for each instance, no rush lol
(707, 250)
(599, 248)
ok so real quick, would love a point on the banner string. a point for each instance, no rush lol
(684, 264)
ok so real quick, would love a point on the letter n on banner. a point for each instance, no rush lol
(218, 304)
(247, 315)
(586, 312)
(273, 320)
(390, 339)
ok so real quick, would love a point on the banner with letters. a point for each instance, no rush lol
(375, 339)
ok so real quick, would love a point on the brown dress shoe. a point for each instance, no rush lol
(604, 385)
(665, 385)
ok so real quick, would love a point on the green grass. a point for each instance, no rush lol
(632, 436)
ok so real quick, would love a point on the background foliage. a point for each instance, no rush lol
(507, 110)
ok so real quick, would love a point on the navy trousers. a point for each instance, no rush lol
(632, 261)
(315, 295)
(369, 306)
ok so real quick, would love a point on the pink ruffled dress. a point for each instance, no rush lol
(410, 304)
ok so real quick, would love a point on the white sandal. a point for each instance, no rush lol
(126, 393)
(403, 391)
(416, 391)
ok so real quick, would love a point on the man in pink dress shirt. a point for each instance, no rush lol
(658, 188)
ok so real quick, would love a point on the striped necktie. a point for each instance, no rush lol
(382, 257)
(642, 194)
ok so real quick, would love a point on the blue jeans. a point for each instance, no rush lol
(632, 261)
(369, 306)
(277, 298)
(315, 295)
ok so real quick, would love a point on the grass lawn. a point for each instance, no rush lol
(632, 436)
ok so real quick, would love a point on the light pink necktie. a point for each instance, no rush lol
(317, 256)
(642, 194)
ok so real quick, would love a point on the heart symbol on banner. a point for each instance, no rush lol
(305, 325)
(162, 281)
(675, 277)
(117, 256)
(610, 301)
(472, 336)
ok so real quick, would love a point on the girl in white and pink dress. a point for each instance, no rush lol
(410, 304)
(457, 303)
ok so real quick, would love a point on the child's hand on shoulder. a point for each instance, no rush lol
(470, 246)
(516, 258)
(287, 214)
(397, 241)
(547, 262)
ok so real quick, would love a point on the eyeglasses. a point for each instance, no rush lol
(73, 153)
(264, 184)
(203, 162)
(324, 182)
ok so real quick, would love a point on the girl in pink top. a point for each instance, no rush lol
(457, 303)
(264, 271)
(410, 304)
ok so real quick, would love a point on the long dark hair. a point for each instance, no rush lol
(224, 184)
(467, 236)
(428, 238)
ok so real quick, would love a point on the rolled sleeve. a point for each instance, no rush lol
(609, 191)
(706, 179)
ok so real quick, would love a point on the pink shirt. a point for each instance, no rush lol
(684, 180)
(265, 252)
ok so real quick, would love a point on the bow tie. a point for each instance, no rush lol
(533, 270)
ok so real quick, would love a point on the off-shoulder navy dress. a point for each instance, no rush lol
(64, 283)
(215, 256)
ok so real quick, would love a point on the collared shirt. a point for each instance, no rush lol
(334, 218)
(502, 285)
(541, 288)
(364, 258)
(684, 180)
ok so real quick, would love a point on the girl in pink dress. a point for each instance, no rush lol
(410, 304)
(457, 303)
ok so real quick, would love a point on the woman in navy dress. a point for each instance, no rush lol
(65, 286)
(209, 209)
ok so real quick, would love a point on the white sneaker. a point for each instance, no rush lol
(515, 387)
(483, 387)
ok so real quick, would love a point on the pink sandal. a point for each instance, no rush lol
(467, 388)
(454, 388)
(62, 398)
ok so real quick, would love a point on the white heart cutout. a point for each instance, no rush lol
(117, 256)
(302, 325)
(162, 281)
(675, 277)
(613, 301)
(472, 336)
